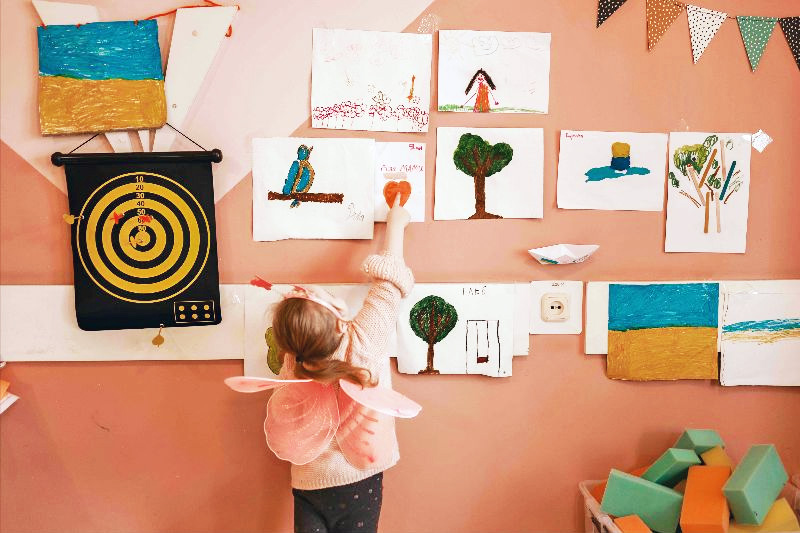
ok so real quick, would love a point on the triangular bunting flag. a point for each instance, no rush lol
(703, 25)
(791, 30)
(606, 8)
(660, 16)
(755, 31)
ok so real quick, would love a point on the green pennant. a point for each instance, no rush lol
(755, 31)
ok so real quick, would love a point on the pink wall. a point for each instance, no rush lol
(166, 447)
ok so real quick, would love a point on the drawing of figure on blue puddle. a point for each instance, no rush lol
(301, 174)
(620, 165)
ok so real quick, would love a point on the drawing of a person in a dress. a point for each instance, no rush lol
(483, 91)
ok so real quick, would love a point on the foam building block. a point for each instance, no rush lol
(600, 489)
(755, 484)
(631, 524)
(658, 506)
(671, 467)
(717, 456)
(780, 518)
(705, 509)
(699, 440)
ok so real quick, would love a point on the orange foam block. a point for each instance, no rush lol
(631, 524)
(705, 509)
(716, 456)
(780, 518)
(599, 490)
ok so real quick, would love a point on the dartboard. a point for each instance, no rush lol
(144, 248)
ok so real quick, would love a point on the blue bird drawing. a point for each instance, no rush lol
(301, 174)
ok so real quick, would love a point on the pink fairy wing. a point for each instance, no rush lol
(383, 400)
(366, 429)
(301, 421)
(245, 384)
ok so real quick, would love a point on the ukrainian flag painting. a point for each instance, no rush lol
(99, 77)
(663, 331)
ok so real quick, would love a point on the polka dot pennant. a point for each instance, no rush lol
(791, 30)
(660, 16)
(755, 31)
(606, 8)
(703, 25)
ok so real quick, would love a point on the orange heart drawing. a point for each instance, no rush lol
(391, 190)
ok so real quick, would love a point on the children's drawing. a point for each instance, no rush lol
(620, 165)
(483, 88)
(631, 180)
(503, 72)
(662, 331)
(512, 157)
(760, 339)
(370, 80)
(400, 168)
(477, 158)
(432, 319)
(341, 204)
(454, 328)
(273, 352)
(100, 76)
(483, 341)
(708, 192)
(299, 181)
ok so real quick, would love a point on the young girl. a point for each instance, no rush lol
(331, 495)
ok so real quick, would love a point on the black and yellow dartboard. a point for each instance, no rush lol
(143, 239)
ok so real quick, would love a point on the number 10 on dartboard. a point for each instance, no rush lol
(143, 245)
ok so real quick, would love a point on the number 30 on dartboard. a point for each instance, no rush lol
(143, 237)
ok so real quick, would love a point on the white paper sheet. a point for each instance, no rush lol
(37, 323)
(370, 80)
(196, 37)
(522, 318)
(543, 294)
(343, 167)
(760, 339)
(563, 254)
(719, 224)
(7, 401)
(397, 162)
(516, 63)
(588, 177)
(480, 342)
(515, 191)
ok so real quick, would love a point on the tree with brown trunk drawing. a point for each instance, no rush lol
(479, 159)
(432, 319)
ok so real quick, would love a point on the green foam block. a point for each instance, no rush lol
(671, 467)
(755, 484)
(658, 506)
(699, 440)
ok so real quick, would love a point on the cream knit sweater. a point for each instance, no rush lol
(364, 344)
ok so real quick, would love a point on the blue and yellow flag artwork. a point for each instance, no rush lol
(99, 77)
(663, 331)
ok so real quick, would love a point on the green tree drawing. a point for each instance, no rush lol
(479, 159)
(273, 359)
(432, 319)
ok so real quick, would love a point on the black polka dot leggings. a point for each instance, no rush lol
(346, 509)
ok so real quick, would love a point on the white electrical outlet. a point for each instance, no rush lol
(555, 307)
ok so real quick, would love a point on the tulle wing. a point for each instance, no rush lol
(383, 400)
(366, 428)
(301, 421)
(245, 384)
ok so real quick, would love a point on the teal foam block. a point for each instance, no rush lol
(658, 506)
(699, 440)
(671, 467)
(755, 484)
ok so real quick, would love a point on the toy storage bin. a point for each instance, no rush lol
(596, 521)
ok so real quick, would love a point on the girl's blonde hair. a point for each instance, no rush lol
(310, 333)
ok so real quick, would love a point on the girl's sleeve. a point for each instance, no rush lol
(392, 280)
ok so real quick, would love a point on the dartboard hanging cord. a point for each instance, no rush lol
(186, 136)
(84, 142)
